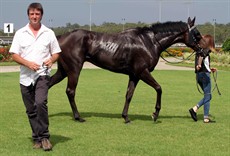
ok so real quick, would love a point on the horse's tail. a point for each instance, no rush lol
(58, 37)
(59, 75)
(63, 42)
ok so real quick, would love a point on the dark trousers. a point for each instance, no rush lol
(35, 101)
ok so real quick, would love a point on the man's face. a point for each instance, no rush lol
(35, 16)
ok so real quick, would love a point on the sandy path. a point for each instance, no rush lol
(160, 66)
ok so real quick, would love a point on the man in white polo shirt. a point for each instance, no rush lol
(36, 48)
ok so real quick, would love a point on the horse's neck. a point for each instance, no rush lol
(166, 40)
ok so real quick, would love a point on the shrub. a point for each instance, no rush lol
(226, 45)
(189, 56)
(173, 52)
(1, 57)
(5, 56)
(221, 57)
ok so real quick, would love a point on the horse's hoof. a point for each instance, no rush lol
(127, 121)
(80, 119)
(125, 117)
(154, 117)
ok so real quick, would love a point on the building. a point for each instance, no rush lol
(6, 40)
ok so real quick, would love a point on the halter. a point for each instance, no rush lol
(192, 39)
(191, 28)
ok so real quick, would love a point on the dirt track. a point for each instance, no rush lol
(160, 66)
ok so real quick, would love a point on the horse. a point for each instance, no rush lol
(134, 52)
(209, 42)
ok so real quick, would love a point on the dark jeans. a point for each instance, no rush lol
(204, 81)
(35, 101)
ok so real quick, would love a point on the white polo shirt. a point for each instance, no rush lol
(36, 49)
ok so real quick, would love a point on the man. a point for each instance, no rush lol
(36, 48)
(203, 70)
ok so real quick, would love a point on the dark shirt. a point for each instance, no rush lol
(205, 65)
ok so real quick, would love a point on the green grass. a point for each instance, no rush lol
(8, 63)
(100, 100)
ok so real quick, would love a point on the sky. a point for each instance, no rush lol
(60, 12)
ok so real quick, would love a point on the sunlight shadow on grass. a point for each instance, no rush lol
(56, 139)
(132, 117)
(61, 114)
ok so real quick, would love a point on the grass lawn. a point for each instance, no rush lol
(100, 99)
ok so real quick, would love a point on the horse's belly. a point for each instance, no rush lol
(110, 63)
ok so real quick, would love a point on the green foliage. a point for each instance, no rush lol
(219, 60)
(226, 45)
(222, 31)
(1, 56)
(100, 99)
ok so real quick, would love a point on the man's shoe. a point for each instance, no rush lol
(193, 114)
(37, 145)
(46, 145)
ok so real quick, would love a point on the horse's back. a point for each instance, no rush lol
(116, 52)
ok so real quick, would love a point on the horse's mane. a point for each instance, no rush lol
(164, 27)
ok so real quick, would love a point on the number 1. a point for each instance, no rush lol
(8, 26)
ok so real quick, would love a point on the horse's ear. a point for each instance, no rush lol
(191, 22)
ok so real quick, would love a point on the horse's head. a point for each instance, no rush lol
(195, 40)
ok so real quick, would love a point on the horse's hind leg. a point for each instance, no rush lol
(129, 94)
(147, 78)
(71, 91)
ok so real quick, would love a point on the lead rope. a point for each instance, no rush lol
(46, 69)
(216, 86)
(215, 80)
(182, 60)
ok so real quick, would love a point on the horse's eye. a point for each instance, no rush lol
(198, 37)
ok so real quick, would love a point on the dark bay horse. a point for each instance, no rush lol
(134, 52)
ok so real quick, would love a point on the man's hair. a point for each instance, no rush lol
(37, 6)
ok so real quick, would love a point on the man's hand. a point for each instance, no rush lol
(51, 60)
(33, 66)
(48, 63)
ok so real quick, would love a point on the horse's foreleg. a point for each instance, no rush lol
(71, 91)
(147, 78)
(129, 94)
